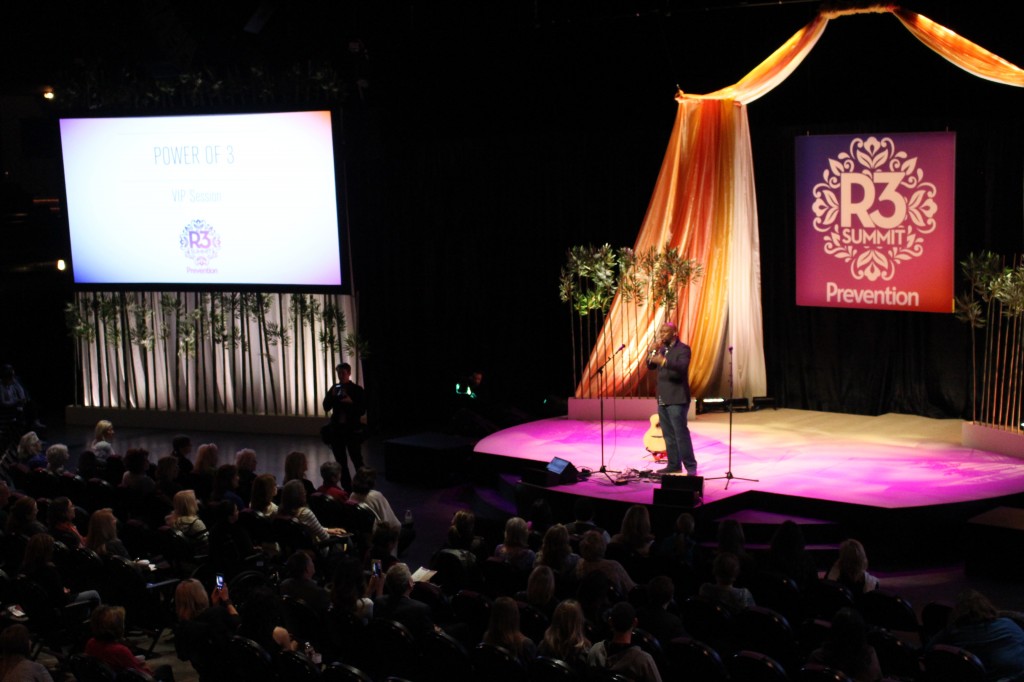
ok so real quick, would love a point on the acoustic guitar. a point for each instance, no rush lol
(654, 440)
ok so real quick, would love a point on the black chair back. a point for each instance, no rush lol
(544, 669)
(813, 672)
(751, 666)
(696, 660)
(943, 663)
(446, 660)
(248, 661)
(497, 663)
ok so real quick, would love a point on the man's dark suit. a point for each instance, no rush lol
(674, 403)
(413, 614)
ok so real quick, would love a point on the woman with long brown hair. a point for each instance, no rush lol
(503, 630)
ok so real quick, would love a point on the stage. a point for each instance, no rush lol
(892, 461)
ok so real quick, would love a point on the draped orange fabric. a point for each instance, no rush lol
(704, 205)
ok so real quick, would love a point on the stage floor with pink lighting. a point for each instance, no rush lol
(889, 461)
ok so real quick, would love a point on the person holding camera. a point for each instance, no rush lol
(346, 401)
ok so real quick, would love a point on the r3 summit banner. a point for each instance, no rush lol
(874, 221)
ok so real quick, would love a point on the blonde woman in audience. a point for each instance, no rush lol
(102, 534)
(515, 550)
(103, 439)
(185, 518)
(851, 568)
(564, 638)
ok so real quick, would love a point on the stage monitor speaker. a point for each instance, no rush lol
(693, 484)
(567, 473)
(558, 472)
(668, 497)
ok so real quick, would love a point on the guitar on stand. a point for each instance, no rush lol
(654, 440)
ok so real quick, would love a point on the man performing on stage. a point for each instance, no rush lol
(671, 357)
(347, 403)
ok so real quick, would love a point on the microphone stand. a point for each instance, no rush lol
(728, 474)
(600, 397)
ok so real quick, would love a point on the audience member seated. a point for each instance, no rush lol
(205, 624)
(225, 486)
(364, 492)
(330, 472)
(107, 645)
(230, 544)
(462, 537)
(181, 448)
(583, 509)
(732, 539)
(263, 620)
(383, 546)
(515, 550)
(635, 533)
(245, 460)
(846, 648)
(592, 549)
(788, 557)
(102, 536)
(655, 617)
(30, 451)
(556, 552)
(136, 476)
(185, 518)
(503, 630)
(293, 504)
(16, 405)
(103, 440)
(88, 465)
(16, 664)
(851, 568)
(167, 475)
(726, 569)
(60, 516)
(296, 466)
(200, 479)
(57, 459)
(540, 590)
(351, 592)
(680, 545)
(977, 626)
(5, 501)
(397, 605)
(38, 567)
(264, 490)
(21, 519)
(300, 584)
(564, 638)
(618, 654)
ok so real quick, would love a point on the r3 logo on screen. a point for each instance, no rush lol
(873, 208)
(200, 243)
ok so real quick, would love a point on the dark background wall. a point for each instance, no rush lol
(482, 141)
